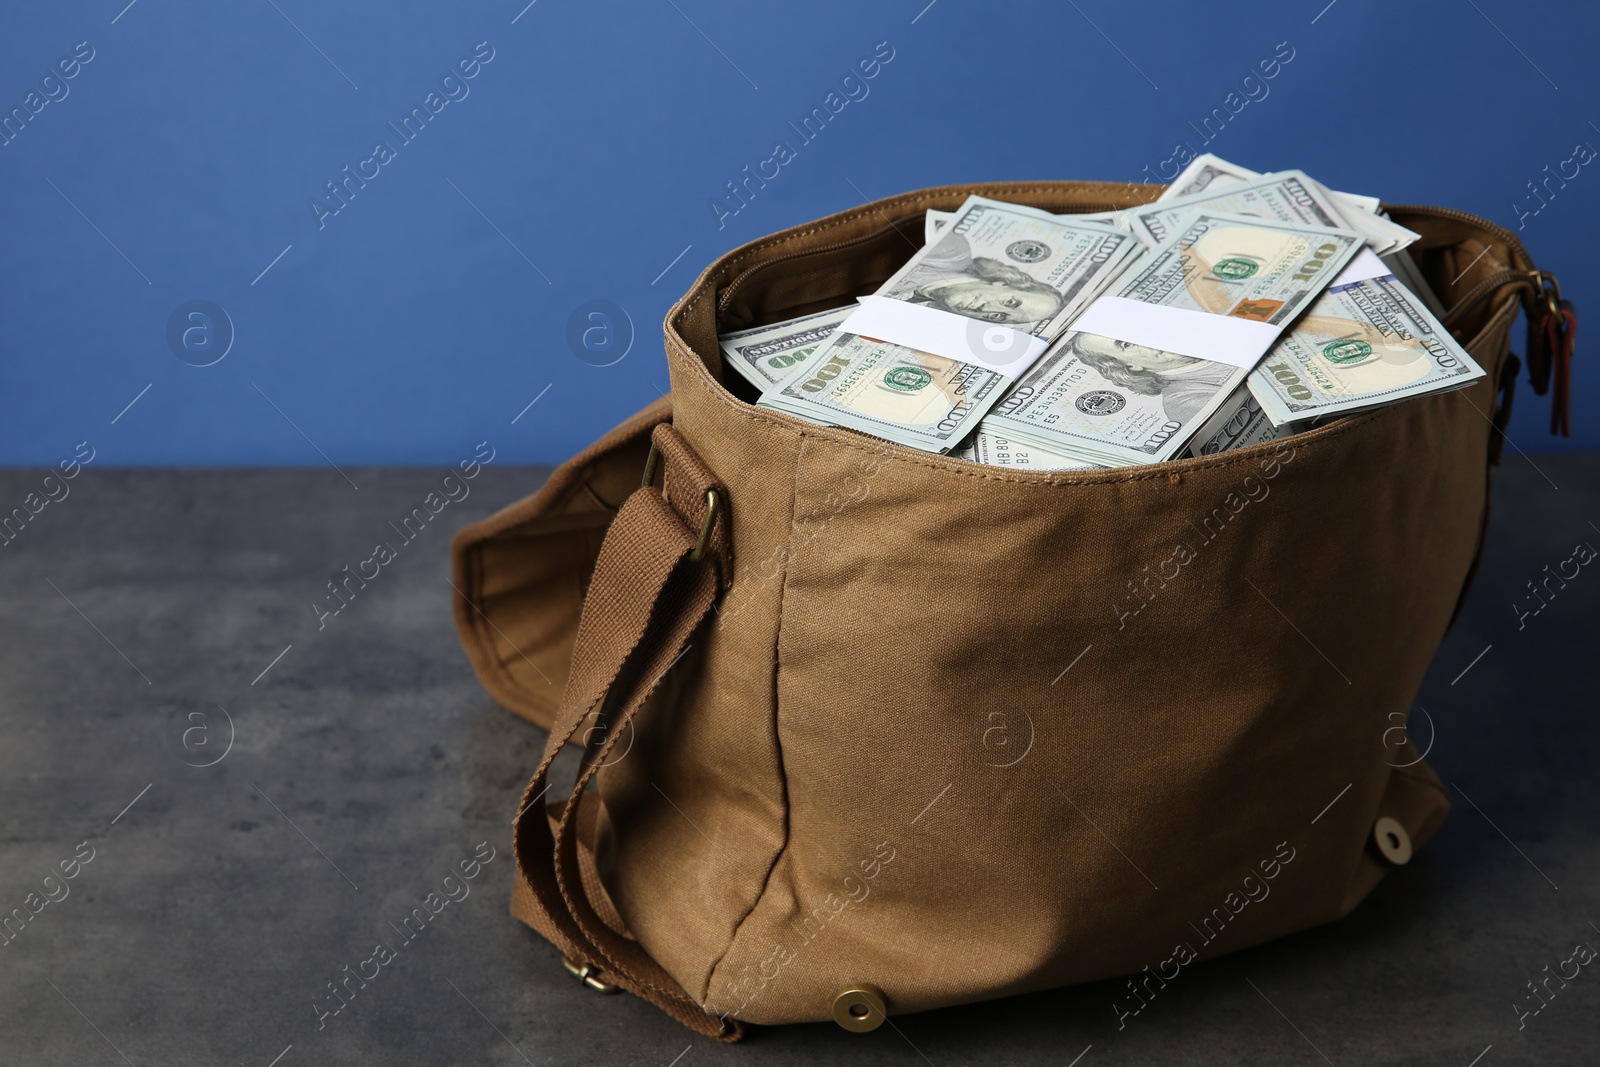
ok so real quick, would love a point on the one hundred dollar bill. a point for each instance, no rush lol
(1359, 346)
(1209, 172)
(1237, 423)
(1289, 196)
(1206, 173)
(767, 353)
(1405, 268)
(936, 219)
(1363, 213)
(994, 451)
(900, 394)
(1114, 403)
(994, 263)
(1209, 176)
(1317, 389)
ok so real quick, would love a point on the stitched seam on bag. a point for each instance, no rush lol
(1156, 473)
(1224, 460)
(777, 737)
(1507, 312)
(1500, 320)
(674, 339)
(703, 378)
(729, 405)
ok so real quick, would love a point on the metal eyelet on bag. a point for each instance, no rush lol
(1394, 844)
(859, 1008)
(589, 976)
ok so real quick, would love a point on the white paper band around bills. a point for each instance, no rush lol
(944, 333)
(1202, 334)
(1366, 264)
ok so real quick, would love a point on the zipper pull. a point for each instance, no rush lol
(1552, 329)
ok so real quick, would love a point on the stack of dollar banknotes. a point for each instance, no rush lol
(1237, 308)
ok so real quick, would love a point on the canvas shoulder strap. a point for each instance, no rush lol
(664, 560)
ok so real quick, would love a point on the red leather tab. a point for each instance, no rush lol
(1561, 331)
(1552, 329)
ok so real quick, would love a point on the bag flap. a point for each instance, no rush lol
(521, 574)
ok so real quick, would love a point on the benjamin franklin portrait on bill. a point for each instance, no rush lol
(949, 277)
(1184, 384)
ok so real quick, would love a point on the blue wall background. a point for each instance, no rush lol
(179, 162)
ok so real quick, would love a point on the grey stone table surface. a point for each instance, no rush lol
(249, 796)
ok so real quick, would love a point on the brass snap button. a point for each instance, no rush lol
(1392, 840)
(859, 1008)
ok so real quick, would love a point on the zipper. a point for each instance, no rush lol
(1490, 284)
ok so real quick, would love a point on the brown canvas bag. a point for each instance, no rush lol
(873, 729)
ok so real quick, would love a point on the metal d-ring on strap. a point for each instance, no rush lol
(1546, 286)
(712, 502)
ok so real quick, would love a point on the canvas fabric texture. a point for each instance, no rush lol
(961, 732)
